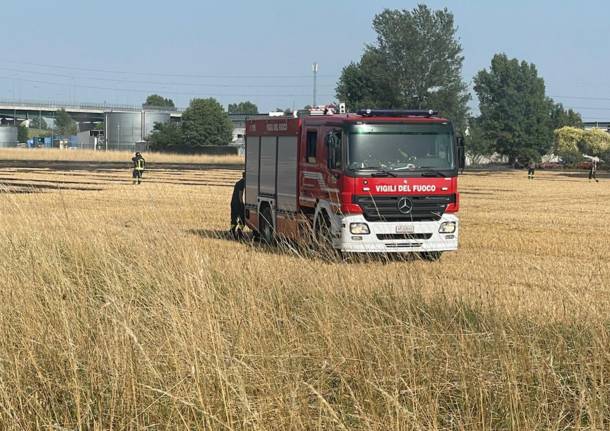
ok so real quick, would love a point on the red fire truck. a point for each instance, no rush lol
(374, 181)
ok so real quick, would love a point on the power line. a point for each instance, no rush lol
(149, 91)
(165, 83)
(582, 98)
(587, 108)
(181, 75)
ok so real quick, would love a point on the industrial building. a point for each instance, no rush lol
(602, 125)
(125, 128)
(91, 140)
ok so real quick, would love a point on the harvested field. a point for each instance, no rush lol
(126, 307)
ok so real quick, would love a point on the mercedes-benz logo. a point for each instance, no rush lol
(405, 205)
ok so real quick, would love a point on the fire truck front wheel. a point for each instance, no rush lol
(324, 232)
(431, 256)
(265, 227)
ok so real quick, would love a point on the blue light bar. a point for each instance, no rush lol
(397, 113)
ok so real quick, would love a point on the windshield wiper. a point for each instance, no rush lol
(382, 172)
(433, 174)
(379, 171)
(409, 166)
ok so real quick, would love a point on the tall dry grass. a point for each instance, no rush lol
(55, 154)
(125, 307)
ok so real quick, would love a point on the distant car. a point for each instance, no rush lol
(584, 165)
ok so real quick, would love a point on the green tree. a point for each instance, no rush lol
(415, 63)
(166, 137)
(571, 143)
(205, 122)
(247, 107)
(159, 101)
(596, 143)
(514, 109)
(22, 133)
(568, 143)
(561, 117)
(476, 144)
(64, 124)
(38, 123)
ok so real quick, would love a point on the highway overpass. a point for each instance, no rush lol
(82, 113)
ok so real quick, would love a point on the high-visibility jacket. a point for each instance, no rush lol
(139, 164)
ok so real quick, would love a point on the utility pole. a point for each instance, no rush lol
(314, 68)
(118, 136)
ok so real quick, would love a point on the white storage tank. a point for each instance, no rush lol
(124, 129)
(149, 120)
(8, 136)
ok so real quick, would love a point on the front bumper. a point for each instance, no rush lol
(383, 238)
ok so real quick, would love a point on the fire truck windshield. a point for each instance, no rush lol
(401, 147)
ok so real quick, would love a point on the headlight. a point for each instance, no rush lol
(447, 227)
(359, 228)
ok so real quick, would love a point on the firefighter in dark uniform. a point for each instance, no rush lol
(531, 170)
(138, 167)
(593, 171)
(238, 208)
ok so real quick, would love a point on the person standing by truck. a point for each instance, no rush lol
(138, 167)
(238, 208)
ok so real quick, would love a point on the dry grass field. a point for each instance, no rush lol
(125, 307)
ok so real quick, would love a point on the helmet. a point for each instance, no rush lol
(138, 154)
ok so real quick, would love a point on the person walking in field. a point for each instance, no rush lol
(593, 171)
(138, 167)
(531, 170)
(238, 208)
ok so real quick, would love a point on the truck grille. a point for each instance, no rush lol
(385, 208)
(389, 236)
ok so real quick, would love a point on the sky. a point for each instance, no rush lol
(118, 52)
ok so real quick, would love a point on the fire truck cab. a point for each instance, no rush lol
(375, 181)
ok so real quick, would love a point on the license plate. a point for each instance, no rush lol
(405, 228)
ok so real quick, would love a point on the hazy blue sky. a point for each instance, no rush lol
(119, 51)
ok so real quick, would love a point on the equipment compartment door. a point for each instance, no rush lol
(252, 169)
(268, 162)
(287, 173)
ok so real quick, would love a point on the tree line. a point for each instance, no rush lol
(416, 62)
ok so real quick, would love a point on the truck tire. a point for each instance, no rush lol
(324, 237)
(265, 226)
(431, 256)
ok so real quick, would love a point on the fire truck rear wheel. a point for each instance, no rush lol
(266, 226)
